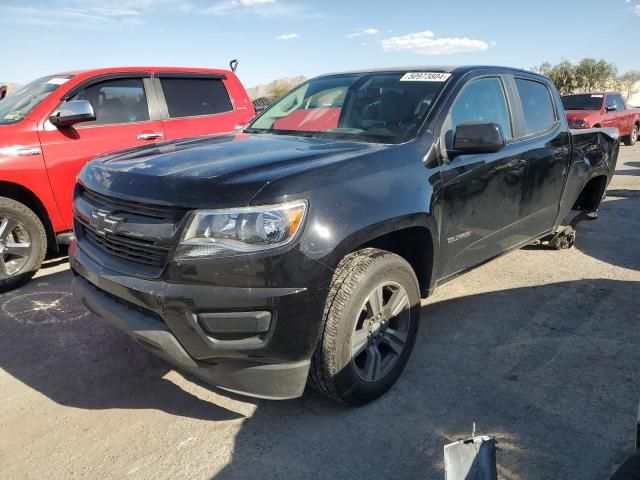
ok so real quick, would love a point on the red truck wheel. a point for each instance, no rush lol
(23, 244)
(633, 137)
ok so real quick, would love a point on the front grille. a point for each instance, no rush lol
(123, 246)
(128, 242)
(136, 208)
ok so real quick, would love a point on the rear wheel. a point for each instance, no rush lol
(632, 138)
(23, 244)
(370, 324)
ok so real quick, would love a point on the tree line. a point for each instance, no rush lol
(590, 75)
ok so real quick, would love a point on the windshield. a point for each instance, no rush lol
(372, 107)
(582, 102)
(19, 104)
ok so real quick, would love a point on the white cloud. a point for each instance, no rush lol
(636, 10)
(287, 36)
(360, 33)
(263, 8)
(97, 14)
(425, 43)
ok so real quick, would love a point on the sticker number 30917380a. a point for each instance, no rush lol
(425, 77)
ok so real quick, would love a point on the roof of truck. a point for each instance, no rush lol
(107, 70)
(437, 68)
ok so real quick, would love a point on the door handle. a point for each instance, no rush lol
(150, 136)
(517, 164)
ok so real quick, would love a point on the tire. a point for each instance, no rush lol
(23, 244)
(632, 138)
(349, 323)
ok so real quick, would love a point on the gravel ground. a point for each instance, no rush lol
(539, 348)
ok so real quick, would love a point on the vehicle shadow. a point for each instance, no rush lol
(635, 170)
(550, 370)
(52, 344)
(613, 238)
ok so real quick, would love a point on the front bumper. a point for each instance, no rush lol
(165, 318)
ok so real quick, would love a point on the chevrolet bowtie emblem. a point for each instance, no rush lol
(103, 222)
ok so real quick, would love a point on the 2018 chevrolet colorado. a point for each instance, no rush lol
(298, 250)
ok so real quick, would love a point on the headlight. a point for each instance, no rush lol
(215, 233)
(579, 124)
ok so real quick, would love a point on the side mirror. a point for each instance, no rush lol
(478, 137)
(72, 112)
(610, 108)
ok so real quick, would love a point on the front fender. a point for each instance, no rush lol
(360, 199)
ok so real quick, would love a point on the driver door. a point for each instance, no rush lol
(481, 193)
(122, 121)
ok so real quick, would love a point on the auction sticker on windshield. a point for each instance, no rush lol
(425, 77)
(57, 81)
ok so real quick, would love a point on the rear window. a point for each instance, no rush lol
(191, 97)
(539, 114)
(583, 102)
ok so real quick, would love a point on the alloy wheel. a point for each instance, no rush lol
(15, 247)
(381, 331)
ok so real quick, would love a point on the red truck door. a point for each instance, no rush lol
(623, 119)
(123, 120)
(199, 104)
(609, 117)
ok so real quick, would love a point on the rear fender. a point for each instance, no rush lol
(594, 154)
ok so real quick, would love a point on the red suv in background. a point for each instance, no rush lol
(51, 127)
(602, 110)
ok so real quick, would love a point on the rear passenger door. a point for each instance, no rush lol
(546, 148)
(196, 105)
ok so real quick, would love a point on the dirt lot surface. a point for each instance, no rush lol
(539, 348)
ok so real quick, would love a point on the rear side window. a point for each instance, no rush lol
(539, 114)
(191, 97)
(116, 101)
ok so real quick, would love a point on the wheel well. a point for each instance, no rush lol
(415, 245)
(591, 195)
(597, 125)
(27, 197)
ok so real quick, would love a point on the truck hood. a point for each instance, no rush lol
(218, 171)
(589, 115)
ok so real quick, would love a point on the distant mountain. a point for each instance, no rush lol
(265, 90)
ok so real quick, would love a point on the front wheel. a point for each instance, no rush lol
(23, 244)
(633, 137)
(370, 324)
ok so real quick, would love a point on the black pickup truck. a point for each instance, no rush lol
(297, 251)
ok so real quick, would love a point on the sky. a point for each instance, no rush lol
(277, 38)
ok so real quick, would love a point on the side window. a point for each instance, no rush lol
(537, 106)
(611, 101)
(482, 100)
(192, 97)
(116, 101)
(619, 103)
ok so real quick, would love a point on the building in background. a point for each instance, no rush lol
(634, 100)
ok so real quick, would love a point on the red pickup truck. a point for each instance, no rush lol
(600, 110)
(51, 127)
